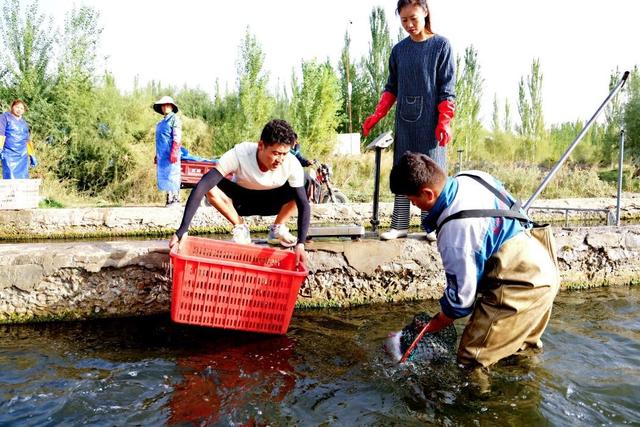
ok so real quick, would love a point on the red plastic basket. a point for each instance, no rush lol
(228, 285)
(191, 171)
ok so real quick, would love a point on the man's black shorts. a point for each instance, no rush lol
(257, 202)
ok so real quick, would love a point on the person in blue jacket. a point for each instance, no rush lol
(168, 141)
(16, 147)
(422, 80)
(499, 266)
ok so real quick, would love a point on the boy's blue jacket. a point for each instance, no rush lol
(466, 244)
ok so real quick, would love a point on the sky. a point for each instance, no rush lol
(194, 42)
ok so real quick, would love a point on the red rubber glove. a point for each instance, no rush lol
(384, 105)
(443, 129)
(438, 323)
(174, 155)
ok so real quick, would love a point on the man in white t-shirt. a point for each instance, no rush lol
(267, 180)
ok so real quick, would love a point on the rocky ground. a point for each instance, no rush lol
(161, 221)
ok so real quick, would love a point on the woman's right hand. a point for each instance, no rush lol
(384, 105)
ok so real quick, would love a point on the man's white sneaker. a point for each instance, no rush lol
(393, 234)
(279, 235)
(241, 234)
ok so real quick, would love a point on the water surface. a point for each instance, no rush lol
(329, 369)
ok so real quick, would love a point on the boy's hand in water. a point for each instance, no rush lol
(438, 323)
(301, 255)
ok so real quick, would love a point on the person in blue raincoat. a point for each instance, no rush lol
(16, 148)
(168, 141)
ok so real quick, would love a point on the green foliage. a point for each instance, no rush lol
(240, 116)
(25, 56)
(50, 203)
(375, 68)
(360, 93)
(495, 115)
(196, 103)
(314, 107)
(530, 107)
(256, 104)
(466, 125)
(96, 144)
(632, 114)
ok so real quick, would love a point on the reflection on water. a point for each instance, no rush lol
(329, 369)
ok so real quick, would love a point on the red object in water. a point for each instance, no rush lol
(227, 285)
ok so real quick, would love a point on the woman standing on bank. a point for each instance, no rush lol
(16, 148)
(422, 80)
(168, 141)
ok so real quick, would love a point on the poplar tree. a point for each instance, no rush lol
(255, 102)
(467, 125)
(530, 103)
(632, 114)
(495, 116)
(376, 68)
(507, 124)
(315, 103)
(241, 115)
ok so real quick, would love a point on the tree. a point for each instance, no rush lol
(535, 94)
(347, 71)
(26, 54)
(467, 125)
(196, 103)
(80, 41)
(241, 116)
(376, 65)
(73, 91)
(614, 120)
(495, 116)
(507, 126)
(256, 105)
(524, 109)
(530, 103)
(315, 103)
(632, 114)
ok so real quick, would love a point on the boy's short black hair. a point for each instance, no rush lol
(278, 132)
(413, 171)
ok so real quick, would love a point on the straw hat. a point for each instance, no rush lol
(157, 106)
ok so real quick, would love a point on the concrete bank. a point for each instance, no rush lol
(159, 221)
(82, 280)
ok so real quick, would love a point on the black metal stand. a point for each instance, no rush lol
(375, 221)
(383, 141)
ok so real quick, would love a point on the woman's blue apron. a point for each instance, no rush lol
(168, 173)
(15, 159)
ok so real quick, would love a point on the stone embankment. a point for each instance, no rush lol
(80, 280)
(159, 221)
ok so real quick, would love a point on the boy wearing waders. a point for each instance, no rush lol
(422, 80)
(500, 268)
(168, 141)
(267, 180)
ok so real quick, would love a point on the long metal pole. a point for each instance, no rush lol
(620, 160)
(584, 130)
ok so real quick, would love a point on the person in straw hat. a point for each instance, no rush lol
(168, 141)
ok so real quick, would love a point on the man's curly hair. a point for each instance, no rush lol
(413, 171)
(278, 132)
